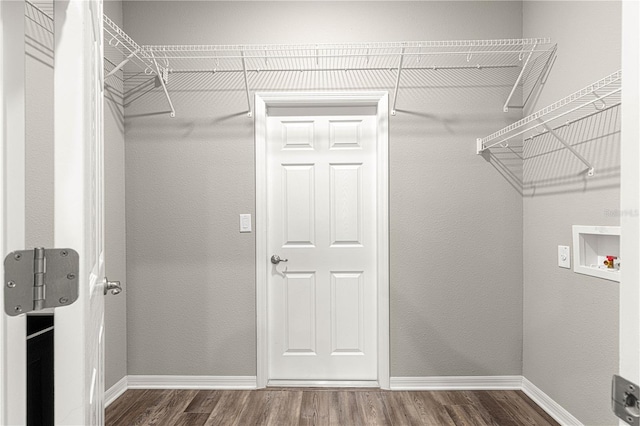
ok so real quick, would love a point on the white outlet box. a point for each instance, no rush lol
(591, 245)
(245, 223)
(564, 258)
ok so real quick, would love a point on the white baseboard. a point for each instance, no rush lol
(115, 391)
(457, 383)
(324, 383)
(192, 382)
(545, 402)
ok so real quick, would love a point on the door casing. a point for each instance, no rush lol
(13, 330)
(630, 197)
(306, 99)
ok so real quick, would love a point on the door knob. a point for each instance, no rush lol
(114, 286)
(275, 259)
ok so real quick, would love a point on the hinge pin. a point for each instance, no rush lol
(39, 269)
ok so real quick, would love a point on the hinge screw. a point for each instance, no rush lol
(63, 300)
(18, 308)
(11, 284)
(71, 276)
(64, 253)
(632, 388)
(17, 256)
(630, 419)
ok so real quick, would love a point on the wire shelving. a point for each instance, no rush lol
(595, 98)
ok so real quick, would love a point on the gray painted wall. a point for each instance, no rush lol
(571, 320)
(115, 238)
(39, 129)
(455, 221)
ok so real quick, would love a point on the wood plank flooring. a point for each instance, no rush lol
(349, 407)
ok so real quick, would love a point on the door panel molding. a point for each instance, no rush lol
(378, 100)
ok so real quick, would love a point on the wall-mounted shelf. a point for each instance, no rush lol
(529, 57)
(591, 246)
(396, 56)
(600, 96)
(136, 54)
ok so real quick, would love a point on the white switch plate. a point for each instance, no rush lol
(245, 223)
(564, 258)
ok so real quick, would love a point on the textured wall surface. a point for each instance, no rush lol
(115, 239)
(455, 220)
(571, 320)
(39, 129)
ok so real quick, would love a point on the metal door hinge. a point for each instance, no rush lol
(625, 400)
(40, 278)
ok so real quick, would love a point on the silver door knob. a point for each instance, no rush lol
(114, 286)
(275, 259)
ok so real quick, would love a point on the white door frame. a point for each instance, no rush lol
(630, 196)
(289, 99)
(13, 330)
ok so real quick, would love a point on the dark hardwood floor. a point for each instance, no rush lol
(276, 406)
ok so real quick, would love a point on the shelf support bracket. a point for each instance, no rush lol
(121, 64)
(479, 146)
(505, 108)
(246, 85)
(590, 170)
(162, 75)
(395, 93)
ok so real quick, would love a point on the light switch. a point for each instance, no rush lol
(564, 258)
(245, 223)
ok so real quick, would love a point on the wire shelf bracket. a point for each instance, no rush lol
(246, 86)
(592, 99)
(163, 76)
(505, 108)
(121, 64)
(590, 170)
(399, 73)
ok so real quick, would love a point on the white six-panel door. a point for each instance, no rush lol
(321, 183)
(79, 209)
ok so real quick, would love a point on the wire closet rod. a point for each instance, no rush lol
(342, 55)
(258, 70)
(575, 120)
(333, 46)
